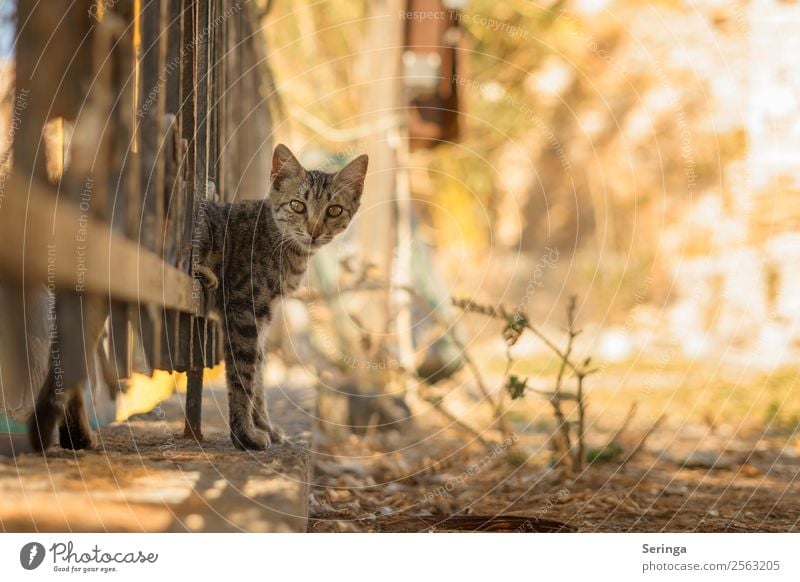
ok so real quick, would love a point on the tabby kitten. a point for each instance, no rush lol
(248, 254)
(253, 252)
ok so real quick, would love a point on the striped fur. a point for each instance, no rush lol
(253, 252)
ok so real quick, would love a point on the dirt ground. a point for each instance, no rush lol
(725, 459)
(145, 477)
(371, 491)
(694, 473)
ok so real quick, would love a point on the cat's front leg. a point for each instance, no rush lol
(47, 413)
(241, 367)
(75, 432)
(260, 413)
(60, 400)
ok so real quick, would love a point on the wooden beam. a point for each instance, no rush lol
(48, 240)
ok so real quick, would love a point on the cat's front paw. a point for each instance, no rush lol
(210, 280)
(276, 435)
(41, 426)
(252, 439)
(76, 437)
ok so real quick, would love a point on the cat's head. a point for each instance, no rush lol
(311, 207)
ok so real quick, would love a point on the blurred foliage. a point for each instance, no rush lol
(611, 452)
(516, 387)
(587, 132)
(315, 51)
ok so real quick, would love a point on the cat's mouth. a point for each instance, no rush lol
(311, 244)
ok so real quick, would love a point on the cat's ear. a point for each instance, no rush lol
(285, 167)
(349, 182)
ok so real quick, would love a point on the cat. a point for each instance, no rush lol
(60, 399)
(247, 255)
(253, 252)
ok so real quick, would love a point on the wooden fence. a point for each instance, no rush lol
(161, 105)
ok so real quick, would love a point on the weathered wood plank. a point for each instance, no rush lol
(88, 257)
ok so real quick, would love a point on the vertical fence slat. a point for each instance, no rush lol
(194, 390)
(123, 174)
(150, 112)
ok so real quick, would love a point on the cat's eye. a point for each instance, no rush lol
(334, 211)
(297, 206)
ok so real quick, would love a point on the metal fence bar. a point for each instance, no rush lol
(194, 383)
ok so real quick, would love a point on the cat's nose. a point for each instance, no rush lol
(314, 232)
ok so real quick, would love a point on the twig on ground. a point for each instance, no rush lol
(555, 401)
(476, 372)
(571, 447)
(581, 455)
(439, 406)
(640, 445)
(519, 319)
(625, 422)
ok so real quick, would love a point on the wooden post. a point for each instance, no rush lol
(194, 403)
(382, 105)
(194, 383)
